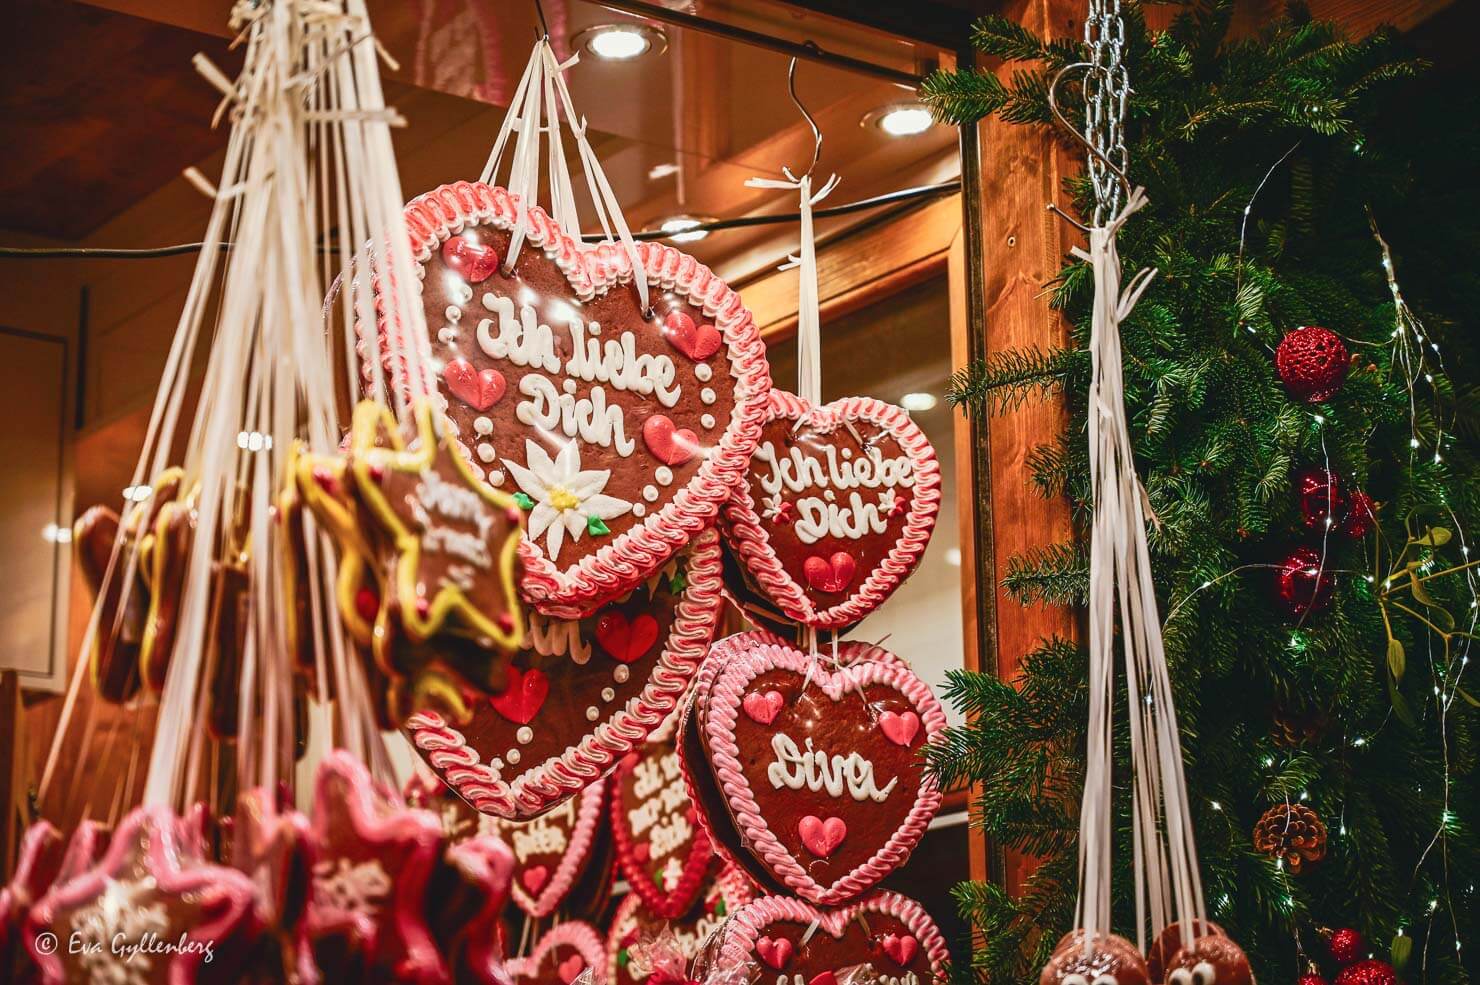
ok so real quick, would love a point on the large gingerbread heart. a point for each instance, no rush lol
(835, 508)
(566, 950)
(584, 694)
(639, 939)
(552, 851)
(661, 848)
(819, 770)
(786, 940)
(620, 430)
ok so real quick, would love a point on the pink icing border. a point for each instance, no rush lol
(741, 931)
(736, 893)
(579, 935)
(666, 903)
(224, 893)
(577, 854)
(743, 665)
(534, 790)
(747, 534)
(436, 216)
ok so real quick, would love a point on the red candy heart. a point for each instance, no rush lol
(901, 948)
(698, 342)
(763, 707)
(475, 261)
(900, 727)
(524, 696)
(571, 967)
(830, 574)
(559, 956)
(669, 445)
(479, 389)
(824, 978)
(822, 838)
(534, 878)
(626, 640)
(774, 951)
(835, 510)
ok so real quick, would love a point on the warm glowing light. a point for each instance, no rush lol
(618, 42)
(917, 401)
(904, 121)
(676, 228)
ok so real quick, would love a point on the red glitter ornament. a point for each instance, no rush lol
(1321, 500)
(1346, 946)
(1312, 363)
(1361, 515)
(1312, 978)
(1302, 583)
(1370, 972)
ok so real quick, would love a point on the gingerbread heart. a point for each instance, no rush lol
(836, 507)
(888, 936)
(552, 851)
(146, 890)
(660, 848)
(560, 956)
(36, 868)
(835, 802)
(596, 705)
(639, 938)
(621, 429)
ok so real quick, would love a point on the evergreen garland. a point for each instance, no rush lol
(1331, 128)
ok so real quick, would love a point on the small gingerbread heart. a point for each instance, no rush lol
(660, 849)
(560, 956)
(552, 852)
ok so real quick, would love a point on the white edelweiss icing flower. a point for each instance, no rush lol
(565, 498)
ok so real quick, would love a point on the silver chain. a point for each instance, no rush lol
(1106, 86)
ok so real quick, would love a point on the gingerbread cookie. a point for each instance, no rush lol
(560, 956)
(553, 851)
(620, 430)
(886, 936)
(584, 694)
(835, 509)
(1107, 959)
(661, 848)
(820, 771)
(641, 940)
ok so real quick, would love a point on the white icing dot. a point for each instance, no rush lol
(706, 421)
(482, 425)
(486, 452)
(592, 713)
(621, 673)
(453, 312)
(847, 452)
(512, 755)
(663, 474)
(495, 477)
(524, 734)
(829, 495)
(702, 372)
(707, 395)
(524, 412)
(462, 293)
(638, 509)
(447, 335)
(569, 386)
(650, 493)
(495, 764)
(607, 694)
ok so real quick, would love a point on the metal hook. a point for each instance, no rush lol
(1073, 131)
(791, 87)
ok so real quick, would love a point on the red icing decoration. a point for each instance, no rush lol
(822, 838)
(554, 852)
(901, 948)
(660, 849)
(571, 967)
(824, 978)
(835, 509)
(698, 342)
(475, 261)
(830, 574)
(774, 951)
(626, 640)
(525, 695)
(670, 444)
(553, 959)
(479, 389)
(534, 878)
(900, 727)
(763, 707)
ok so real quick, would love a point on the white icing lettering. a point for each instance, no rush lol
(816, 770)
(591, 420)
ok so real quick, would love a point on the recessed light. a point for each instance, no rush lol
(660, 171)
(676, 228)
(621, 42)
(901, 119)
(917, 401)
(56, 534)
(953, 556)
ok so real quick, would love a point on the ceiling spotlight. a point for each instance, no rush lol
(901, 119)
(676, 228)
(917, 401)
(660, 171)
(621, 42)
(953, 556)
(56, 534)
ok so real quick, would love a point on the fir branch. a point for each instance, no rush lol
(1007, 379)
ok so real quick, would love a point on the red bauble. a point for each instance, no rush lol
(1346, 946)
(1321, 500)
(1311, 978)
(1299, 586)
(1312, 363)
(1361, 515)
(1369, 972)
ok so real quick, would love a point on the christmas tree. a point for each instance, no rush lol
(1315, 495)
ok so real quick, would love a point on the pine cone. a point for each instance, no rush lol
(1293, 832)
